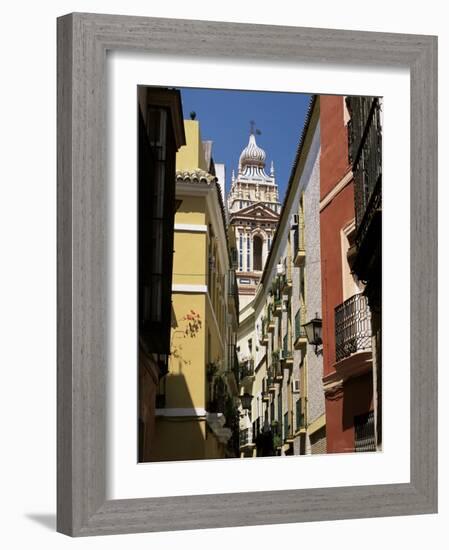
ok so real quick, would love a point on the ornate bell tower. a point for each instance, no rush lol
(254, 208)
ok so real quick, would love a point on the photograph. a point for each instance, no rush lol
(259, 274)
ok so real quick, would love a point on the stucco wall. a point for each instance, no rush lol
(313, 278)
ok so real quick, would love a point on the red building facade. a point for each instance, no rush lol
(346, 331)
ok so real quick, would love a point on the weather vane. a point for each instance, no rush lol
(253, 129)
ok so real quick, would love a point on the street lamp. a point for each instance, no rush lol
(246, 399)
(314, 332)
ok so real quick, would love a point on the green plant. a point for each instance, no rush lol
(211, 371)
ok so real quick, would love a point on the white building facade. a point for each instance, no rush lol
(280, 369)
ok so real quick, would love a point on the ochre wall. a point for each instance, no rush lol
(189, 260)
(179, 439)
(185, 381)
(191, 210)
(191, 156)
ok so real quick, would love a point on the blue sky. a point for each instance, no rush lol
(225, 116)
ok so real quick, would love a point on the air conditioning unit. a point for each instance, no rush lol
(295, 219)
(295, 386)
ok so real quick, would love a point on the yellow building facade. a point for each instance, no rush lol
(196, 414)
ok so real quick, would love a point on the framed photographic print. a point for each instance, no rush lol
(246, 274)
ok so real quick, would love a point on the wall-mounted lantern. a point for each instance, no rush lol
(313, 331)
(246, 399)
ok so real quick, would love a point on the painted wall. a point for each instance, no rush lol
(199, 333)
(191, 155)
(334, 142)
(314, 363)
(335, 216)
(354, 396)
(189, 261)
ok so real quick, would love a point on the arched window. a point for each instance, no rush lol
(257, 253)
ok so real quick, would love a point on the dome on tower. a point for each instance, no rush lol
(252, 154)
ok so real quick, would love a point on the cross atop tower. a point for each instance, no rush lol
(252, 126)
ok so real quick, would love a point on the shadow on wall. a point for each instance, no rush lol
(179, 433)
(358, 399)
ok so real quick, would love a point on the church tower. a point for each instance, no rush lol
(254, 209)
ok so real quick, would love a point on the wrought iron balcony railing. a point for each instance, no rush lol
(300, 333)
(300, 418)
(270, 318)
(352, 326)
(287, 434)
(287, 352)
(276, 368)
(247, 368)
(299, 248)
(365, 150)
(246, 437)
(233, 293)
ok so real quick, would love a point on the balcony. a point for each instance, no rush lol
(271, 382)
(265, 390)
(352, 327)
(286, 277)
(247, 368)
(233, 296)
(300, 417)
(277, 435)
(300, 333)
(299, 250)
(246, 438)
(287, 428)
(266, 395)
(365, 150)
(287, 353)
(263, 334)
(365, 153)
(233, 369)
(270, 318)
(277, 294)
(277, 367)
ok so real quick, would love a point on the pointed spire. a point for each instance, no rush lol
(272, 169)
(233, 176)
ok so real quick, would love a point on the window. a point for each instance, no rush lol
(279, 408)
(241, 253)
(299, 415)
(257, 253)
(157, 149)
(248, 253)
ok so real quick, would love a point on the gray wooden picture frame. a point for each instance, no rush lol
(83, 40)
